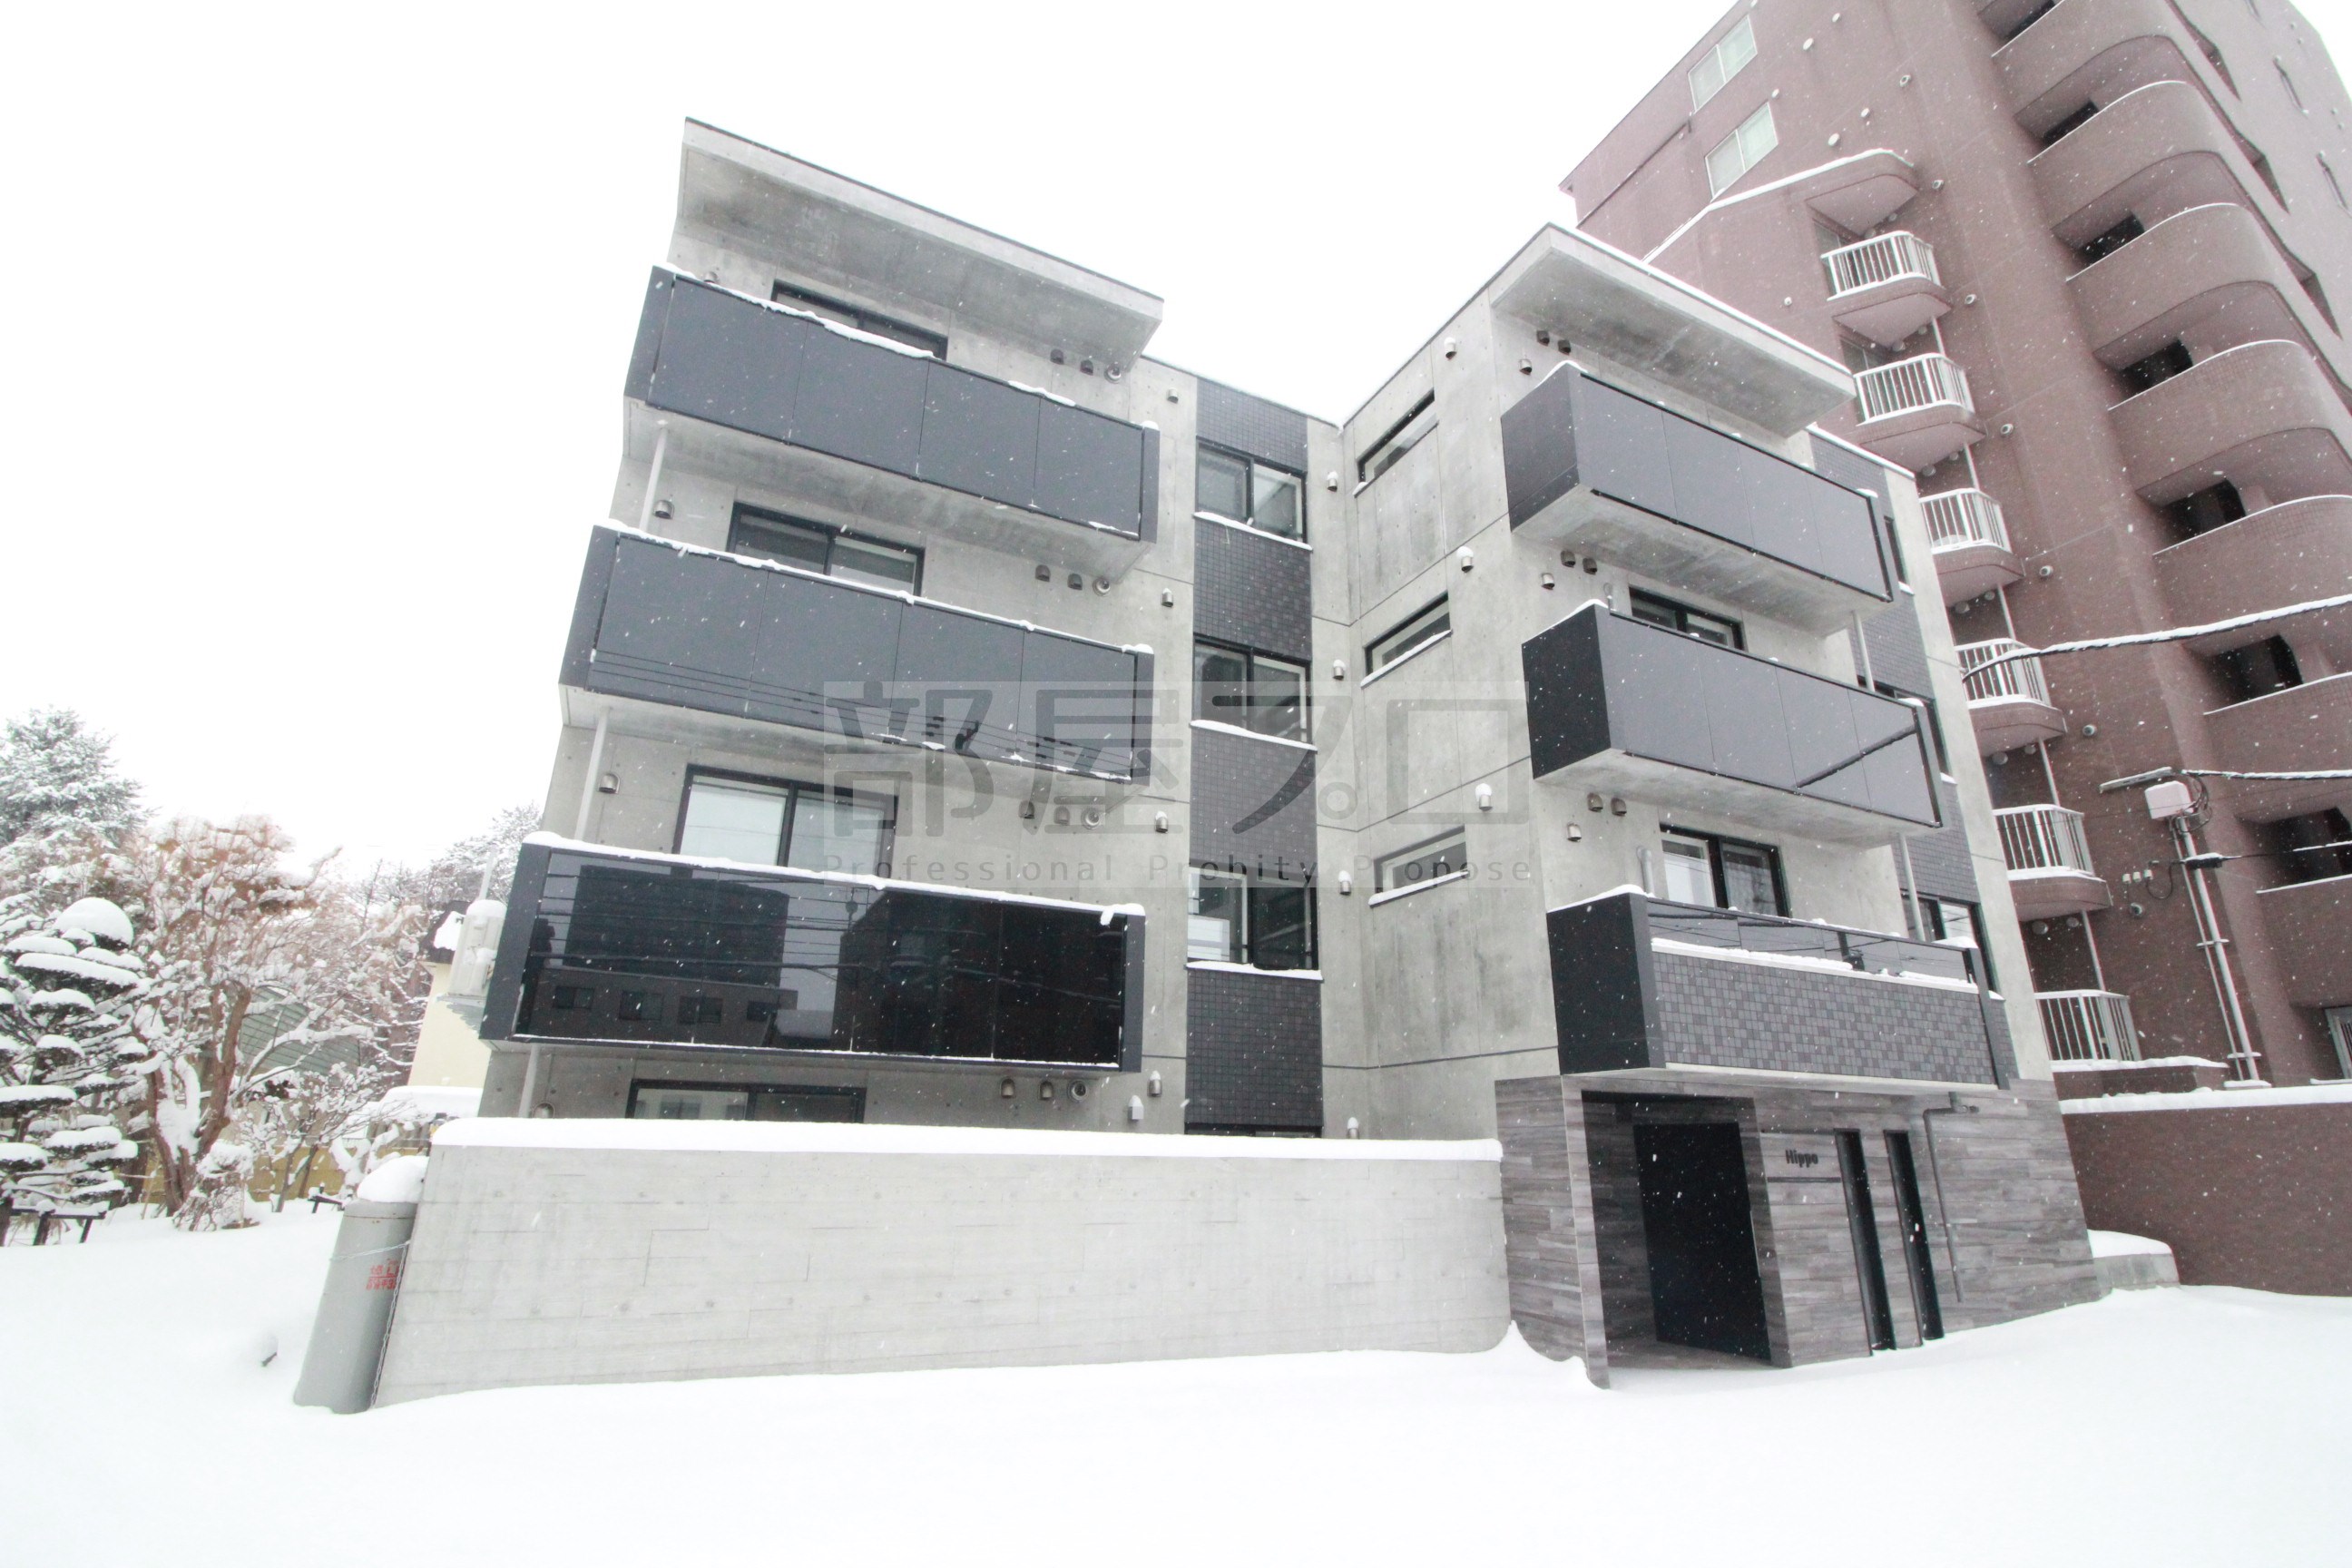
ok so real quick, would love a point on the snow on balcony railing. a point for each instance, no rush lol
(1957, 519)
(2043, 838)
(1880, 259)
(1924, 381)
(2018, 679)
(2088, 1026)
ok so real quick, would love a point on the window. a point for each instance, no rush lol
(864, 320)
(1233, 917)
(1741, 151)
(1249, 691)
(815, 547)
(2258, 669)
(1659, 611)
(1958, 925)
(1935, 721)
(1423, 628)
(764, 823)
(1398, 439)
(1431, 860)
(1720, 64)
(730, 1102)
(1722, 873)
(1242, 489)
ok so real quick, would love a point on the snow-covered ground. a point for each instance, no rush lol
(138, 1425)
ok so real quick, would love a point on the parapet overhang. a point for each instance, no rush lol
(1623, 311)
(754, 198)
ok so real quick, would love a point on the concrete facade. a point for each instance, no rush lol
(616, 1252)
(2124, 222)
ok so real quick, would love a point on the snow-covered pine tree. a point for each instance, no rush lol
(453, 879)
(57, 774)
(69, 1061)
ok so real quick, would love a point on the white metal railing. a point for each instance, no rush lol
(1880, 259)
(2043, 838)
(1923, 381)
(2088, 1025)
(1958, 518)
(2018, 679)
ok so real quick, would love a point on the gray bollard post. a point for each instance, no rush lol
(355, 1307)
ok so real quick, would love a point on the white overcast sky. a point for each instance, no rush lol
(317, 318)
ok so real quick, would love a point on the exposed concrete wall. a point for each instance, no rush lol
(579, 1251)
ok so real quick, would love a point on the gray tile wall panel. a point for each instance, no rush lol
(1253, 1051)
(1941, 858)
(1265, 430)
(1251, 590)
(1714, 1013)
(1253, 804)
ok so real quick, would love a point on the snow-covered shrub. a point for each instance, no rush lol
(71, 1062)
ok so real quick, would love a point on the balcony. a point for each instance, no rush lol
(1624, 707)
(2049, 859)
(2304, 729)
(1885, 287)
(2288, 554)
(671, 640)
(2006, 17)
(1969, 538)
(1917, 411)
(2208, 276)
(2009, 702)
(2307, 922)
(1601, 470)
(2088, 1025)
(660, 950)
(2260, 415)
(2151, 153)
(874, 428)
(1638, 982)
(2096, 51)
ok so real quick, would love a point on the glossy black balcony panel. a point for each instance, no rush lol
(785, 377)
(721, 635)
(662, 951)
(1638, 982)
(1618, 704)
(1592, 467)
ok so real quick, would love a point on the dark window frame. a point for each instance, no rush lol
(1369, 463)
(745, 511)
(793, 790)
(1935, 722)
(853, 1093)
(1373, 661)
(1255, 892)
(1250, 465)
(1384, 867)
(1251, 659)
(1934, 905)
(1715, 843)
(842, 312)
(1681, 613)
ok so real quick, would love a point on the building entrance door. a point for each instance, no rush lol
(1704, 1287)
(1913, 1216)
(1877, 1317)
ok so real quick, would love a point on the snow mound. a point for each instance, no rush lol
(400, 1180)
(97, 918)
(423, 1102)
(2123, 1244)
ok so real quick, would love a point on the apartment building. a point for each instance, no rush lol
(2085, 259)
(969, 720)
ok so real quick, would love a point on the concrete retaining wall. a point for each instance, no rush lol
(2248, 1186)
(580, 1251)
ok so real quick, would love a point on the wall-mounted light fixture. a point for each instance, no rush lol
(1452, 348)
(1168, 598)
(1575, 833)
(662, 509)
(1135, 1108)
(1339, 669)
(608, 783)
(1463, 558)
(1354, 1129)
(1485, 797)
(1545, 578)
(1153, 1084)
(1616, 805)
(1158, 822)
(1331, 481)
(1044, 572)
(1347, 884)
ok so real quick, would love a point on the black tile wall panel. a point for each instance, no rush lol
(1254, 1051)
(1714, 1013)
(1252, 591)
(1253, 804)
(1240, 423)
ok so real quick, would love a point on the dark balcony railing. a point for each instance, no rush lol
(659, 950)
(1641, 983)
(1584, 461)
(1629, 706)
(747, 639)
(783, 374)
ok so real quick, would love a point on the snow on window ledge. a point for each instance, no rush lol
(1387, 894)
(1224, 728)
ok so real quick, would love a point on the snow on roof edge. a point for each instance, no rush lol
(620, 1134)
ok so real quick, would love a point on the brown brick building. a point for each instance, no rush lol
(2086, 258)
